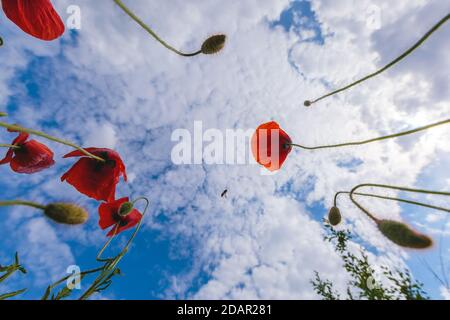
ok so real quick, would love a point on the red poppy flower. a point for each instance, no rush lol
(109, 216)
(95, 178)
(31, 157)
(36, 17)
(270, 145)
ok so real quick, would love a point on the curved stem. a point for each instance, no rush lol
(371, 216)
(13, 146)
(111, 263)
(132, 236)
(376, 185)
(151, 32)
(22, 203)
(374, 139)
(352, 192)
(99, 258)
(390, 64)
(46, 136)
(391, 198)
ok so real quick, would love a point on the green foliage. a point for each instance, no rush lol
(363, 283)
(8, 271)
(11, 294)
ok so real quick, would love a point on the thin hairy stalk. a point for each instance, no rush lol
(151, 32)
(46, 136)
(111, 263)
(430, 269)
(389, 65)
(22, 203)
(352, 193)
(355, 143)
(391, 198)
(12, 146)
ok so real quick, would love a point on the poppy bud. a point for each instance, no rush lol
(334, 216)
(125, 208)
(403, 235)
(1, 41)
(66, 213)
(213, 44)
(307, 103)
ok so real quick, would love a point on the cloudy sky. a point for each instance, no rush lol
(110, 85)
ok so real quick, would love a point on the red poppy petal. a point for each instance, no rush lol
(78, 153)
(270, 156)
(107, 210)
(122, 169)
(21, 138)
(8, 157)
(93, 178)
(131, 220)
(133, 217)
(32, 157)
(35, 17)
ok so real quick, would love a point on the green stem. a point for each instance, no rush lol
(22, 203)
(46, 136)
(13, 146)
(99, 258)
(374, 139)
(57, 283)
(151, 32)
(111, 263)
(3, 114)
(390, 64)
(11, 294)
(7, 275)
(352, 192)
(390, 198)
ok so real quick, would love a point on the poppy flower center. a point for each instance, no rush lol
(108, 162)
(119, 219)
(20, 149)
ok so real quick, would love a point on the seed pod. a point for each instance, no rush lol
(66, 213)
(403, 235)
(307, 103)
(125, 208)
(213, 44)
(334, 216)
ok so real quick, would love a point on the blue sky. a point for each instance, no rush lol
(100, 85)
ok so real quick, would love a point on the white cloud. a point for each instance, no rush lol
(119, 88)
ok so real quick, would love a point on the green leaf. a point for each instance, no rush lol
(11, 294)
(47, 293)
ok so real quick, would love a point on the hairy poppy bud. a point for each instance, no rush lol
(213, 44)
(1, 41)
(125, 208)
(334, 216)
(66, 213)
(307, 103)
(403, 235)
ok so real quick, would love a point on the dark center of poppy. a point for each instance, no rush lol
(20, 148)
(286, 144)
(108, 162)
(120, 220)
